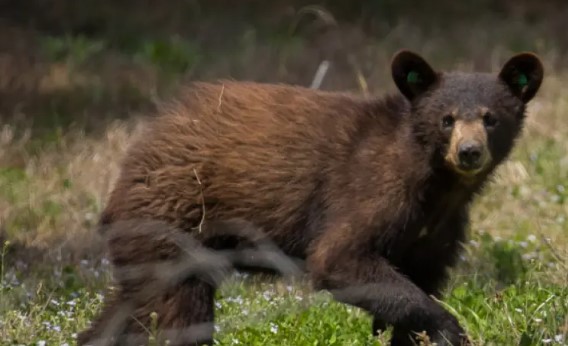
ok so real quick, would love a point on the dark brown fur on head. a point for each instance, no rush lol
(470, 120)
(372, 193)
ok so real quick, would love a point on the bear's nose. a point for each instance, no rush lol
(470, 155)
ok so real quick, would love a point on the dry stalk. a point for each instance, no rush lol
(220, 102)
(200, 226)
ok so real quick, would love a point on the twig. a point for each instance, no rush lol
(199, 227)
(219, 105)
(317, 11)
(360, 78)
(320, 74)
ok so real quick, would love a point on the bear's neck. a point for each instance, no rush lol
(447, 185)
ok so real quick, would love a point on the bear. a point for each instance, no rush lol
(368, 196)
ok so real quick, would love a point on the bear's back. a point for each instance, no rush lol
(253, 151)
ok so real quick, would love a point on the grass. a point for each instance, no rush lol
(61, 141)
(529, 311)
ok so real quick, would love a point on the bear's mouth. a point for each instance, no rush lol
(468, 170)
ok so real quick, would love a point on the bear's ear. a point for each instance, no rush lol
(412, 74)
(523, 75)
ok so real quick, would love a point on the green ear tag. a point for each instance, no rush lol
(523, 80)
(412, 77)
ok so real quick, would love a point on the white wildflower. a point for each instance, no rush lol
(273, 328)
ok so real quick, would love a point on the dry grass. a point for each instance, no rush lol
(53, 197)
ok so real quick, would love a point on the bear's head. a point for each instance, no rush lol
(469, 120)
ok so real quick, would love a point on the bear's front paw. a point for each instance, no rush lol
(448, 332)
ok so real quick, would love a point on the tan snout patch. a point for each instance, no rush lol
(470, 130)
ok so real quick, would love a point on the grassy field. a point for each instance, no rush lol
(70, 104)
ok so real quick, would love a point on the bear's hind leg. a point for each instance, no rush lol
(103, 328)
(184, 317)
(159, 269)
(186, 314)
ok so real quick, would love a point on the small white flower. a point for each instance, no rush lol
(65, 344)
(56, 328)
(273, 328)
(41, 343)
(71, 302)
(538, 320)
(54, 302)
(523, 244)
(474, 243)
(559, 338)
(546, 341)
(529, 256)
(531, 238)
(518, 310)
(235, 342)
(84, 262)
(218, 305)
(217, 328)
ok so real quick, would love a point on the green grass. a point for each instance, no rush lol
(526, 307)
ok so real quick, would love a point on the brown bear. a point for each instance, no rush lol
(371, 193)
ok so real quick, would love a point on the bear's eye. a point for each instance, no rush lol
(489, 120)
(448, 122)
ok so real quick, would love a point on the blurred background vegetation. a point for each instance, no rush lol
(66, 61)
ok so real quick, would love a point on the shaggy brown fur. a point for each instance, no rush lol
(372, 193)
